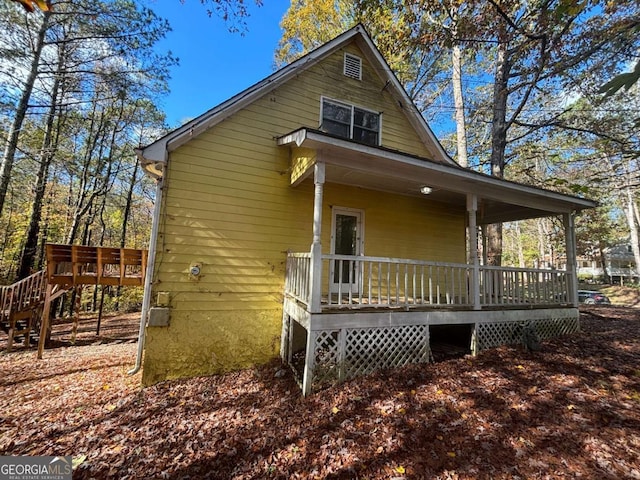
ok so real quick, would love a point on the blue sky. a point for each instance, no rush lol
(215, 64)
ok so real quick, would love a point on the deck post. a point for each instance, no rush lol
(570, 240)
(44, 323)
(315, 284)
(472, 208)
(309, 364)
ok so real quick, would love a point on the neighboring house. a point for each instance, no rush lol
(316, 214)
(619, 263)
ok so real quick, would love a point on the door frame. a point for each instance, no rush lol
(359, 214)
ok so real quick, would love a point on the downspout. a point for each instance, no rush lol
(146, 299)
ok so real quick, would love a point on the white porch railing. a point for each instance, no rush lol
(517, 286)
(361, 282)
(297, 276)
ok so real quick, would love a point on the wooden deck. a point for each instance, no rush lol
(24, 303)
(357, 282)
(358, 314)
(84, 265)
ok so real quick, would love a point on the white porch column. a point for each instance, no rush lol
(570, 241)
(472, 209)
(315, 280)
(315, 284)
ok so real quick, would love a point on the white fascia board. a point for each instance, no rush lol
(406, 104)
(158, 151)
(460, 179)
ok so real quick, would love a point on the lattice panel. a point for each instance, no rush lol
(327, 356)
(554, 327)
(489, 335)
(370, 349)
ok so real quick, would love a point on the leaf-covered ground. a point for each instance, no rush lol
(571, 410)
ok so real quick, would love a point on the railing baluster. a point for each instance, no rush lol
(430, 284)
(351, 280)
(380, 301)
(399, 282)
(406, 284)
(414, 293)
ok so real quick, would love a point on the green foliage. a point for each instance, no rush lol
(623, 80)
(98, 82)
(130, 300)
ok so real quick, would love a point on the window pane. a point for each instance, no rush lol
(335, 128)
(368, 120)
(365, 136)
(336, 119)
(339, 113)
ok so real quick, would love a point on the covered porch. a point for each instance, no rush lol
(346, 313)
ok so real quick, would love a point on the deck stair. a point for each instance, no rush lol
(25, 306)
(21, 308)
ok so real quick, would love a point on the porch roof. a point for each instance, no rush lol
(377, 168)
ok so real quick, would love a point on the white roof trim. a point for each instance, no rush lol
(413, 114)
(157, 152)
(458, 178)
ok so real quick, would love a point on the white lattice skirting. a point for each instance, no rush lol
(344, 352)
(349, 352)
(494, 334)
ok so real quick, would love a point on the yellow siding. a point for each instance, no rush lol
(229, 207)
(301, 160)
(400, 226)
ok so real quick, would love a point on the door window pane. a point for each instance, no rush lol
(345, 244)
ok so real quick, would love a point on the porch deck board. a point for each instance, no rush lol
(411, 304)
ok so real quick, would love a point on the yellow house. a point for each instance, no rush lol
(316, 215)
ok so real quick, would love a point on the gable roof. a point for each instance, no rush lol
(154, 156)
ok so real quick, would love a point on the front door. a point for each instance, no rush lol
(346, 239)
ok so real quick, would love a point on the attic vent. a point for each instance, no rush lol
(352, 66)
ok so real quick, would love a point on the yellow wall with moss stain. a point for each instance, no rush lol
(228, 206)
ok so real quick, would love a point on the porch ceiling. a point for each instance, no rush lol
(380, 169)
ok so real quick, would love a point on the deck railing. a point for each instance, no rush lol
(516, 286)
(297, 276)
(361, 282)
(22, 294)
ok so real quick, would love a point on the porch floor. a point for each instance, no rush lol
(331, 305)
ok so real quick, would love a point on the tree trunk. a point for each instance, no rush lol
(46, 156)
(521, 262)
(11, 144)
(603, 263)
(498, 141)
(456, 78)
(127, 207)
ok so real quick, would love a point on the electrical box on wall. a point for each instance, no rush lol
(158, 317)
(162, 299)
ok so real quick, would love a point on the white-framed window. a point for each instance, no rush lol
(348, 121)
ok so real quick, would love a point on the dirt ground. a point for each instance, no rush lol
(571, 410)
